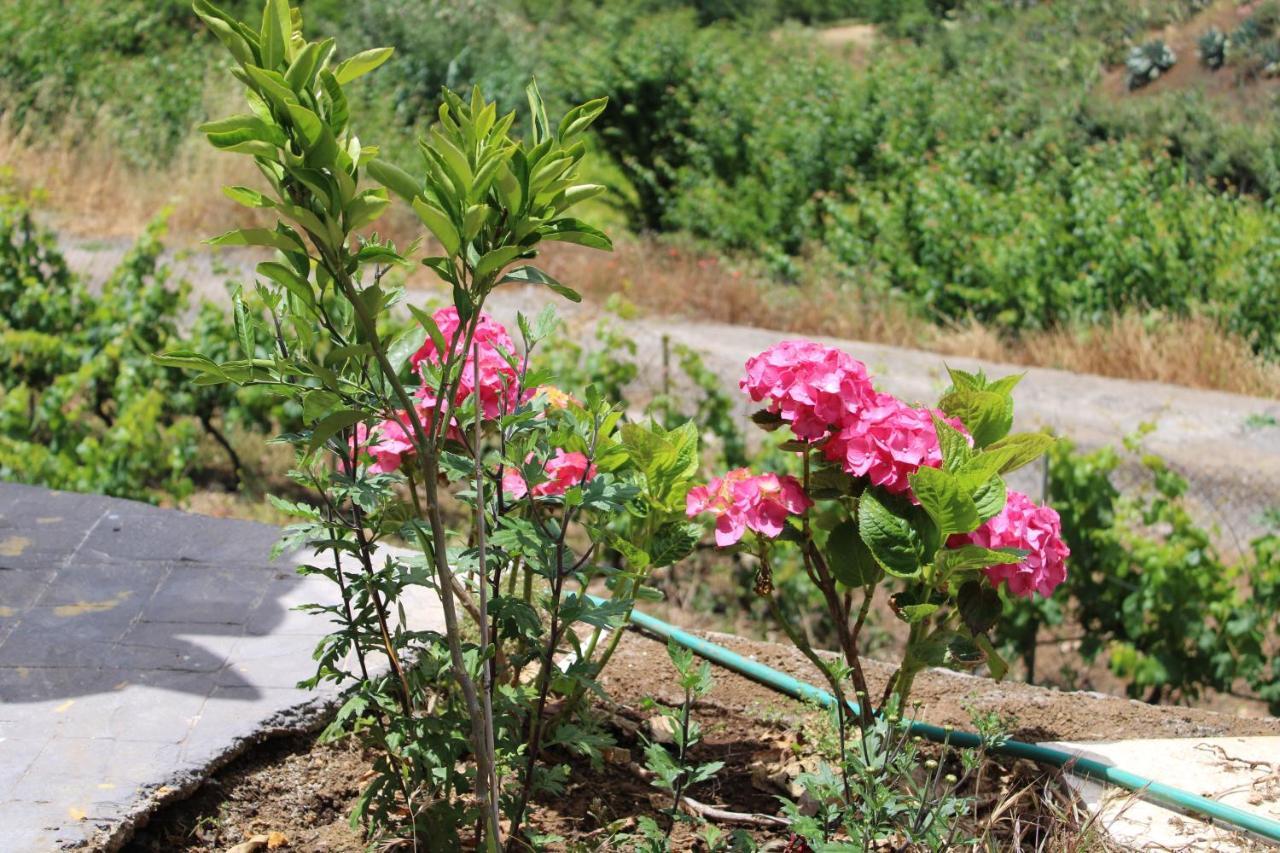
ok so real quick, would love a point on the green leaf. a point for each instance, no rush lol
(227, 133)
(970, 557)
(493, 262)
(276, 30)
(360, 64)
(257, 237)
(440, 224)
(429, 325)
(989, 498)
(221, 26)
(892, 540)
(247, 197)
(913, 613)
(979, 605)
(944, 497)
(986, 414)
(569, 230)
(848, 557)
(288, 279)
(395, 179)
(579, 118)
(673, 542)
(1021, 449)
(331, 424)
(189, 360)
(366, 208)
(955, 447)
(533, 275)
(240, 320)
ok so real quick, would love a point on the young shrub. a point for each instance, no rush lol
(1148, 61)
(440, 435)
(1212, 48)
(890, 496)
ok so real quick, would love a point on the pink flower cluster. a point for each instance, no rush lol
(811, 386)
(824, 393)
(743, 502)
(564, 470)
(1024, 525)
(499, 383)
(390, 441)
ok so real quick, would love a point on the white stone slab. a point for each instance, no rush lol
(1240, 771)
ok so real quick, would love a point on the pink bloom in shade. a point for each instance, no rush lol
(388, 443)
(564, 471)
(742, 502)
(887, 441)
(1037, 529)
(810, 385)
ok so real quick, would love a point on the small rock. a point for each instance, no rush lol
(661, 729)
(616, 755)
(256, 844)
(276, 840)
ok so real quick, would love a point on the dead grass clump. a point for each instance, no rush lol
(1193, 351)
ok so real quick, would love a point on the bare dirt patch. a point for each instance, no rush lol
(304, 791)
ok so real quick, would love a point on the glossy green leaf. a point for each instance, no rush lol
(533, 275)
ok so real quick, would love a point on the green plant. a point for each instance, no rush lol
(673, 774)
(891, 497)
(440, 435)
(1212, 47)
(81, 405)
(887, 787)
(1148, 61)
(1148, 589)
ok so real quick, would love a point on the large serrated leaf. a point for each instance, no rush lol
(848, 557)
(892, 540)
(944, 497)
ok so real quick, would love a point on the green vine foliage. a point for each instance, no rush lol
(82, 406)
(1149, 590)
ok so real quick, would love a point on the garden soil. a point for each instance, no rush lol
(296, 795)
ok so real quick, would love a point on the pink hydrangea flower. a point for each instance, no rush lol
(742, 502)
(810, 385)
(388, 443)
(887, 441)
(1037, 529)
(564, 471)
(498, 379)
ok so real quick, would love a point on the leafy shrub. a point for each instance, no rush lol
(1148, 61)
(1148, 588)
(1212, 47)
(82, 407)
(439, 434)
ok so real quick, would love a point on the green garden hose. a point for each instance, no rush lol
(1148, 789)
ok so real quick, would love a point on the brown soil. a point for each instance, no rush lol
(305, 791)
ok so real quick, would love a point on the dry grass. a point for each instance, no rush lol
(1192, 351)
(90, 193)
